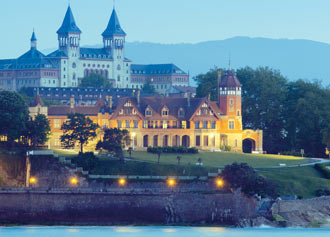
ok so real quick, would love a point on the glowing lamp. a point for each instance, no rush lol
(74, 181)
(219, 182)
(171, 182)
(33, 180)
(122, 181)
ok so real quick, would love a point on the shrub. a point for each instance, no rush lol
(225, 148)
(174, 149)
(242, 176)
(323, 170)
(322, 192)
(88, 161)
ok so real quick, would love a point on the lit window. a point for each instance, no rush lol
(231, 124)
(57, 123)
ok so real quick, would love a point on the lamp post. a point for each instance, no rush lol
(212, 136)
(133, 136)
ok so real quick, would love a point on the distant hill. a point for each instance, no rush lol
(294, 58)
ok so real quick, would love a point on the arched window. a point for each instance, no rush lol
(74, 65)
(118, 67)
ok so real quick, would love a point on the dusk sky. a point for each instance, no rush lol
(163, 21)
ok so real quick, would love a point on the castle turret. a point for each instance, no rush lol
(69, 44)
(69, 34)
(230, 94)
(114, 44)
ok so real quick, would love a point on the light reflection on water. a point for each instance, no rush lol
(158, 231)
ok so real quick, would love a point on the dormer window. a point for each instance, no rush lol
(148, 112)
(128, 104)
(181, 112)
(164, 112)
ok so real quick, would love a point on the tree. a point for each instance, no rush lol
(159, 152)
(114, 141)
(264, 93)
(14, 115)
(38, 130)
(78, 128)
(247, 179)
(207, 83)
(96, 81)
(179, 159)
(148, 88)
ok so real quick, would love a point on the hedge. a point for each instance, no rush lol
(323, 170)
(174, 149)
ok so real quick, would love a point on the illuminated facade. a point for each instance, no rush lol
(151, 121)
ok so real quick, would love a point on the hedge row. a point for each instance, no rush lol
(323, 170)
(174, 149)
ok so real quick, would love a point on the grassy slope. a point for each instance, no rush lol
(301, 181)
(220, 159)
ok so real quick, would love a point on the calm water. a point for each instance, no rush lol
(159, 232)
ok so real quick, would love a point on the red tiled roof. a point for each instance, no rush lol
(230, 80)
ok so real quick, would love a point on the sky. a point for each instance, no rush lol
(163, 21)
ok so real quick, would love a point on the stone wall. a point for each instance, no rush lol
(308, 212)
(123, 207)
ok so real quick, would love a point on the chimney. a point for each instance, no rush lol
(138, 93)
(110, 102)
(218, 85)
(188, 98)
(209, 96)
(72, 102)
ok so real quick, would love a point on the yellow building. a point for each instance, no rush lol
(151, 121)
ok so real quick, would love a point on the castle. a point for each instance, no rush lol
(66, 66)
(151, 121)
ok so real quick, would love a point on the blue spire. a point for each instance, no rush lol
(33, 37)
(113, 27)
(69, 24)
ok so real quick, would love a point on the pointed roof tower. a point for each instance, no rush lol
(69, 24)
(33, 37)
(113, 27)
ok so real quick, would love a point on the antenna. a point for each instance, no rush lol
(229, 63)
(114, 4)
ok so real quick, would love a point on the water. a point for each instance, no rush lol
(158, 232)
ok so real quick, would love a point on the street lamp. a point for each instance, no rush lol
(212, 136)
(219, 182)
(33, 180)
(74, 181)
(122, 182)
(133, 136)
(171, 182)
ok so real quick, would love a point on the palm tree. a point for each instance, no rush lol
(179, 159)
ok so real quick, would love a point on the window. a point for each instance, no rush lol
(238, 113)
(213, 124)
(181, 112)
(231, 101)
(119, 123)
(135, 123)
(164, 112)
(206, 140)
(145, 124)
(198, 140)
(231, 124)
(235, 142)
(127, 125)
(165, 124)
(184, 124)
(197, 124)
(148, 112)
(74, 65)
(205, 125)
(57, 123)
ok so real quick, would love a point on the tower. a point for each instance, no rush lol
(230, 94)
(69, 44)
(33, 41)
(114, 44)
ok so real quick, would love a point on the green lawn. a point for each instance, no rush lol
(301, 181)
(221, 159)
